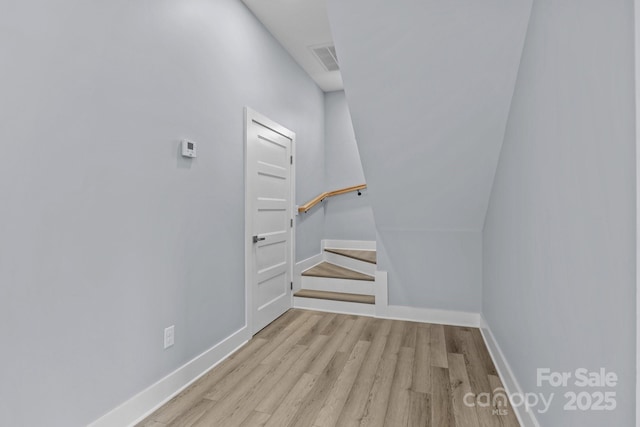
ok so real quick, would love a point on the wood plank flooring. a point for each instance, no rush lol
(336, 296)
(313, 369)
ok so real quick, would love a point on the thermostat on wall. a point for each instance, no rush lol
(188, 148)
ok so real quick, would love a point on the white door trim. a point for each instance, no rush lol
(637, 84)
(249, 116)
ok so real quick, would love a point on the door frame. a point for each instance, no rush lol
(637, 117)
(249, 116)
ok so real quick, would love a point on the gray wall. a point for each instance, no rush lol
(347, 217)
(107, 235)
(559, 238)
(432, 269)
(429, 84)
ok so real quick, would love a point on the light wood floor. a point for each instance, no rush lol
(336, 296)
(316, 369)
(326, 269)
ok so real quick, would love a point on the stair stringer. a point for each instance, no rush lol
(377, 288)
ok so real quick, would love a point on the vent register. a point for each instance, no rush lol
(327, 57)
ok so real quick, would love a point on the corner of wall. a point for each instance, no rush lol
(512, 386)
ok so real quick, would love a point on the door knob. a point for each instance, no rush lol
(257, 239)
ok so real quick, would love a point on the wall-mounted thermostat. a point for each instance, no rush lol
(188, 148)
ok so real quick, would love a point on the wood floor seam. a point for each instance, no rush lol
(326, 370)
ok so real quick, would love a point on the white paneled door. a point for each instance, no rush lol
(269, 219)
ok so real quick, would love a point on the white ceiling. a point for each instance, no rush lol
(429, 88)
(299, 26)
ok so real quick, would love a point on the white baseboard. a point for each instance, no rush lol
(383, 310)
(511, 385)
(416, 314)
(394, 312)
(428, 315)
(308, 263)
(330, 306)
(363, 245)
(302, 266)
(146, 402)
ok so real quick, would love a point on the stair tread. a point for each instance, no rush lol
(332, 271)
(361, 255)
(336, 296)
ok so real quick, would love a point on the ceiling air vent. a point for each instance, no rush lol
(327, 56)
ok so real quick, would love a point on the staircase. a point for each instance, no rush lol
(342, 281)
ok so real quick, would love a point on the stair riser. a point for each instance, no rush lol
(353, 264)
(334, 306)
(361, 287)
(364, 245)
(302, 266)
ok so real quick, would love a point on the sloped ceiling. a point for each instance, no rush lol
(299, 26)
(429, 84)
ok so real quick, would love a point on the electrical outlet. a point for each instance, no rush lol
(169, 336)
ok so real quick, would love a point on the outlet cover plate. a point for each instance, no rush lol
(169, 336)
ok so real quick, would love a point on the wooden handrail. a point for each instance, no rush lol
(307, 206)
